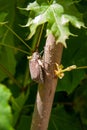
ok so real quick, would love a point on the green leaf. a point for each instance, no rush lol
(18, 104)
(40, 2)
(5, 110)
(61, 120)
(80, 101)
(70, 8)
(74, 55)
(25, 123)
(2, 17)
(7, 55)
(70, 81)
(55, 17)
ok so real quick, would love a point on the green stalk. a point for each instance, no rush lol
(37, 38)
(10, 75)
(25, 52)
(18, 37)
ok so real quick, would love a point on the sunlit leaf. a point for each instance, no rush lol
(55, 17)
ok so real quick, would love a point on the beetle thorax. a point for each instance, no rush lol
(35, 56)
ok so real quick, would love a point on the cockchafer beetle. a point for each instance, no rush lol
(36, 67)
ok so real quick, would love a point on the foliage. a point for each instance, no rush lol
(57, 20)
(62, 18)
(5, 110)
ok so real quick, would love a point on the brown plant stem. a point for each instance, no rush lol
(46, 91)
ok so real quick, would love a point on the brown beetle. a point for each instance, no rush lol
(36, 68)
